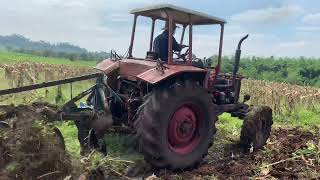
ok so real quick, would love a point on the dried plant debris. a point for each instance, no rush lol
(289, 154)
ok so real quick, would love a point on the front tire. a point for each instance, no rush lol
(176, 126)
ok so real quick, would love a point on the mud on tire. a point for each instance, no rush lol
(256, 128)
(176, 126)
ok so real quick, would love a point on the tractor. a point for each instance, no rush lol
(172, 106)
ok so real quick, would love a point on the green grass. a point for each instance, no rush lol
(11, 57)
(229, 124)
(307, 119)
(70, 134)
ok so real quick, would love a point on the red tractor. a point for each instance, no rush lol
(172, 106)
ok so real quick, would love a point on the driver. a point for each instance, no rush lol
(160, 43)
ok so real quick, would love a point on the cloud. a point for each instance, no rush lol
(294, 44)
(81, 22)
(119, 17)
(308, 28)
(269, 15)
(307, 48)
(313, 19)
(206, 45)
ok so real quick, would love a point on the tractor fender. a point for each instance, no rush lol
(107, 66)
(147, 71)
(156, 75)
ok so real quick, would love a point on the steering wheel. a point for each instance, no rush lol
(183, 55)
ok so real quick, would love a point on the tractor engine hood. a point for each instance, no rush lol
(145, 70)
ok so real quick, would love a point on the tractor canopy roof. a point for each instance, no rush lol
(180, 15)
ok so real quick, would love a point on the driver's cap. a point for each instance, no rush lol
(166, 27)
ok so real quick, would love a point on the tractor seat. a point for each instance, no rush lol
(153, 55)
(222, 85)
(198, 63)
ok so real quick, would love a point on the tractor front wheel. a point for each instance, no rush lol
(176, 126)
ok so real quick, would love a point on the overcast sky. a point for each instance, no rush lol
(276, 27)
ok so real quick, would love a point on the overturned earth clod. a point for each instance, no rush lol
(29, 148)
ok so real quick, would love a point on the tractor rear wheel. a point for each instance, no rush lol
(256, 128)
(176, 126)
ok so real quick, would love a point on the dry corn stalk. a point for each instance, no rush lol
(26, 73)
(282, 97)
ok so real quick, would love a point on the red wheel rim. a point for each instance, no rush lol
(184, 129)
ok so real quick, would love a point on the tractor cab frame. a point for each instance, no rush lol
(172, 14)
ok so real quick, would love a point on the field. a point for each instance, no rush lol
(292, 152)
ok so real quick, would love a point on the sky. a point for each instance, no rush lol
(276, 27)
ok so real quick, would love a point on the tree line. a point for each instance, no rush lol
(299, 70)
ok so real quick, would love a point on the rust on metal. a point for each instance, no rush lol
(170, 39)
(180, 14)
(154, 76)
(50, 83)
(132, 35)
(107, 65)
(217, 69)
(152, 34)
(190, 41)
(144, 70)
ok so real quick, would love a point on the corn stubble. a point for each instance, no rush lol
(283, 98)
(26, 73)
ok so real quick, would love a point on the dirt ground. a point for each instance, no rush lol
(280, 160)
(29, 148)
(29, 151)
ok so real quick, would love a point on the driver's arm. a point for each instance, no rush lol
(175, 45)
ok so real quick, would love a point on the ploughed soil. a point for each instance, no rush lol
(286, 156)
(29, 148)
(32, 149)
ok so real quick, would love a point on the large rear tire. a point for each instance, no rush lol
(176, 126)
(256, 127)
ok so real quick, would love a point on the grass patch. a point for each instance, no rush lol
(307, 119)
(123, 146)
(229, 125)
(70, 134)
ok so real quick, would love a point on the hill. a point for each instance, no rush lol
(21, 44)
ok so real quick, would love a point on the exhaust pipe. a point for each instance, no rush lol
(237, 60)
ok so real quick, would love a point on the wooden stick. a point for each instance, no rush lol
(120, 174)
(48, 174)
(281, 161)
(119, 160)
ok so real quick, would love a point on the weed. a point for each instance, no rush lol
(311, 153)
(70, 134)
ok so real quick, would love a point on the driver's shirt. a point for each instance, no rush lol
(160, 45)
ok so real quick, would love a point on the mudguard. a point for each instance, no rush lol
(145, 70)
